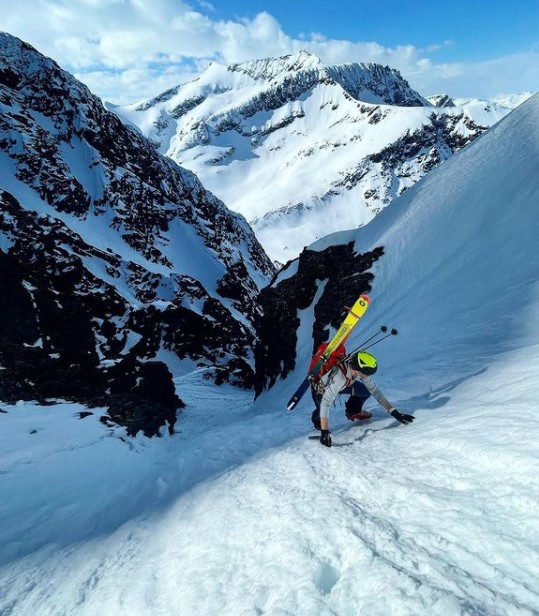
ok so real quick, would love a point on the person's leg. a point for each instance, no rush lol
(354, 405)
(315, 416)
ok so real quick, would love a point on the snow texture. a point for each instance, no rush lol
(239, 513)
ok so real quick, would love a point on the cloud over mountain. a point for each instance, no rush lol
(132, 49)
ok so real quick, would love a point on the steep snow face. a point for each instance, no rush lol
(450, 494)
(119, 253)
(465, 235)
(302, 149)
(248, 516)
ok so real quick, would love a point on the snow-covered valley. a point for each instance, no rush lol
(246, 516)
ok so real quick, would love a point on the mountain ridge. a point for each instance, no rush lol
(302, 149)
(108, 239)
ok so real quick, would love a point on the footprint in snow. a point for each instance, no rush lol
(326, 577)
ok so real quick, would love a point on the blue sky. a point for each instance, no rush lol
(478, 30)
(126, 50)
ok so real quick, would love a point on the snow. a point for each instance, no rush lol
(299, 167)
(238, 513)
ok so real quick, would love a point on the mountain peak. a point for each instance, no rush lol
(120, 263)
(18, 55)
(269, 68)
(441, 100)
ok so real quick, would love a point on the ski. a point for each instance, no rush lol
(340, 337)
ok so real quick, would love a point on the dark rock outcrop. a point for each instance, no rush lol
(346, 277)
(51, 313)
(113, 257)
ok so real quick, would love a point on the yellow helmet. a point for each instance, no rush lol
(364, 362)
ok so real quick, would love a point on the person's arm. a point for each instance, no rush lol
(335, 382)
(376, 393)
(379, 396)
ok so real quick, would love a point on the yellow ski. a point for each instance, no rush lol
(340, 337)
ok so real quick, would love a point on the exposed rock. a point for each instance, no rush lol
(441, 100)
(346, 275)
(111, 256)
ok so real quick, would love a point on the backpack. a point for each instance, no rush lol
(337, 356)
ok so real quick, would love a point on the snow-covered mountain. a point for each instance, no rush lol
(302, 149)
(248, 516)
(115, 261)
(445, 236)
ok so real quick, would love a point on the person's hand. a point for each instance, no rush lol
(325, 438)
(401, 417)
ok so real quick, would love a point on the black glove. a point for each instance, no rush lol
(325, 438)
(401, 417)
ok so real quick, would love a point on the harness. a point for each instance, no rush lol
(320, 388)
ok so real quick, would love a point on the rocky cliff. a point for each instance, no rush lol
(117, 264)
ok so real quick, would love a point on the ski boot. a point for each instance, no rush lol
(362, 415)
(354, 410)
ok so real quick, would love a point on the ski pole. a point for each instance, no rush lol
(383, 330)
(393, 332)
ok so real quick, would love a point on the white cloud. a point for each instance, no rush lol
(125, 87)
(206, 5)
(507, 75)
(113, 46)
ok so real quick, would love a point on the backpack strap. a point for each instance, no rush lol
(344, 372)
(342, 368)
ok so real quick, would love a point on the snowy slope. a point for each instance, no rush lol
(302, 149)
(465, 234)
(249, 517)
